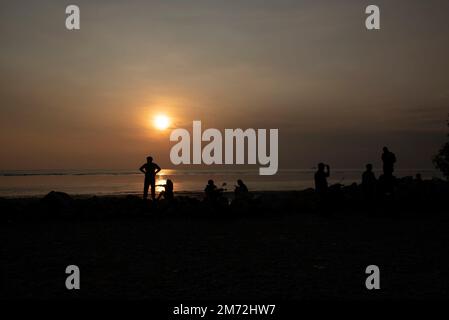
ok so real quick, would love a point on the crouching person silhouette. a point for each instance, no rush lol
(369, 184)
(213, 193)
(241, 191)
(168, 191)
(150, 169)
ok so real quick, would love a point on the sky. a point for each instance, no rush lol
(337, 92)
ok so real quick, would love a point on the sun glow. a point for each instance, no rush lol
(161, 122)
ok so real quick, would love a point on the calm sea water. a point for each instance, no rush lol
(36, 183)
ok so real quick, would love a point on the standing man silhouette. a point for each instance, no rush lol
(321, 178)
(150, 169)
(322, 188)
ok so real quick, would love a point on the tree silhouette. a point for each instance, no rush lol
(441, 159)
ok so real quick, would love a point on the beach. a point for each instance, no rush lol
(288, 258)
(279, 247)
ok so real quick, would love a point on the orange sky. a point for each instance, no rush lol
(337, 93)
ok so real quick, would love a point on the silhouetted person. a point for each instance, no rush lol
(322, 189)
(369, 182)
(212, 192)
(150, 169)
(388, 159)
(168, 191)
(241, 190)
(321, 176)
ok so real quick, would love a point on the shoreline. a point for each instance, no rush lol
(184, 183)
(193, 194)
(409, 197)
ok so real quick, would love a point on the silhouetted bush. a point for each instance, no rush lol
(441, 159)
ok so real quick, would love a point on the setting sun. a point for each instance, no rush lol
(161, 122)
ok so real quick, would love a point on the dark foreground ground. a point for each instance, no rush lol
(277, 246)
(287, 257)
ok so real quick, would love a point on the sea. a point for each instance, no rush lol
(32, 183)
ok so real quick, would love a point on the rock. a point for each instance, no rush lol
(58, 202)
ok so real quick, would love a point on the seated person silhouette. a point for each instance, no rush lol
(321, 176)
(150, 169)
(369, 182)
(212, 192)
(241, 190)
(168, 191)
(388, 159)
